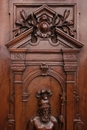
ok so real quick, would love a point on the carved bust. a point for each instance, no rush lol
(44, 120)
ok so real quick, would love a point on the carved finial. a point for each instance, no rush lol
(44, 68)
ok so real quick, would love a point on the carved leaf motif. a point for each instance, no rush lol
(18, 23)
(28, 17)
(56, 20)
(61, 17)
(66, 26)
(65, 29)
(23, 14)
(65, 23)
(30, 20)
(17, 31)
(59, 21)
(66, 14)
(71, 32)
(70, 23)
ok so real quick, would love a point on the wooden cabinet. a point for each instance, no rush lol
(44, 66)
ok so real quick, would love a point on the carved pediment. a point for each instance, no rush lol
(44, 10)
(44, 29)
(24, 41)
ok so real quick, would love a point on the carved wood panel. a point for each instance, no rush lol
(44, 60)
(65, 17)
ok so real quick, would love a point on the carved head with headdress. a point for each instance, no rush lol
(44, 109)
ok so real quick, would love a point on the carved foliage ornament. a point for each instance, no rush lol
(44, 25)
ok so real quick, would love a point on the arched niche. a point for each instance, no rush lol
(38, 83)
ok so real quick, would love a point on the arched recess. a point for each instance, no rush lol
(37, 73)
(34, 82)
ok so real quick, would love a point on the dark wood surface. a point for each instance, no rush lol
(22, 111)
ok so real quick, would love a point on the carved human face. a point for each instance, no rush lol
(45, 114)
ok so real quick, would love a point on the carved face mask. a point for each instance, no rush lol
(45, 114)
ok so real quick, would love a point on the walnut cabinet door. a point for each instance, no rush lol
(42, 64)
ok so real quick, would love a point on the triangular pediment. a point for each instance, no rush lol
(24, 41)
(44, 10)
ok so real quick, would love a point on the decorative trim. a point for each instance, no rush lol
(10, 125)
(72, 68)
(18, 38)
(78, 124)
(18, 56)
(17, 68)
(37, 73)
(11, 98)
(70, 82)
(25, 97)
(69, 38)
(18, 82)
(70, 59)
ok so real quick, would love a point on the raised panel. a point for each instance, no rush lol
(29, 9)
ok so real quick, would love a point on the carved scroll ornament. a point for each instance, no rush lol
(44, 120)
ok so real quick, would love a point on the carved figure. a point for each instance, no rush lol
(44, 120)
